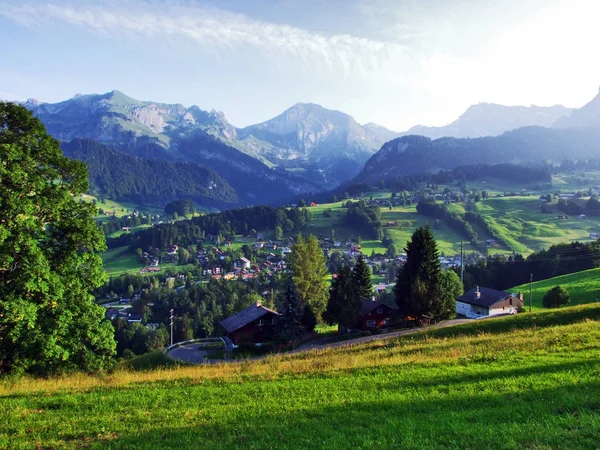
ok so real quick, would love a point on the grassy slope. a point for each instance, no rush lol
(530, 381)
(120, 260)
(583, 287)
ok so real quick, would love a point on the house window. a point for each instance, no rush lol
(259, 322)
(510, 301)
(380, 310)
(370, 323)
(273, 320)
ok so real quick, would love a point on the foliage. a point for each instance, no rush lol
(432, 209)
(361, 278)
(556, 297)
(180, 207)
(289, 327)
(365, 219)
(450, 289)
(418, 282)
(309, 270)
(568, 207)
(343, 305)
(48, 256)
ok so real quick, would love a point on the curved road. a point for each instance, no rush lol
(191, 353)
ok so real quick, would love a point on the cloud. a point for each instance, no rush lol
(220, 31)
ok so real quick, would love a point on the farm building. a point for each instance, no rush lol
(254, 324)
(483, 302)
(373, 314)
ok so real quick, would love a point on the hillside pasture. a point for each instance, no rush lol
(529, 381)
(583, 287)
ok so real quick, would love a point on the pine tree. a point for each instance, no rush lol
(343, 305)
(361, 278)
(418, 281)
(290, 323)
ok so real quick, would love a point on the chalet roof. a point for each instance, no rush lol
(245, 316)
(367, 305)
(487, 297)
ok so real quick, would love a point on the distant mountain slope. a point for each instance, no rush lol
(328, 146)
(174, 133)
(489, 119)
(310, 135)
(415, 154)
(584, 117)
(119, 176)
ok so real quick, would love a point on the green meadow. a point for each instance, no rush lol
(583, 287)
(530, 381)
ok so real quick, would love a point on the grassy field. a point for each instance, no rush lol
(120, 260)
(530, 381)
(583, 287)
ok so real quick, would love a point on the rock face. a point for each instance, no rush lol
(308, 135)
(489, 119)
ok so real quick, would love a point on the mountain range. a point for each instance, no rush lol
(573, 137)
(307, 148)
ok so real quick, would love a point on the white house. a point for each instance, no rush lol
(243, 263)
(484, 302)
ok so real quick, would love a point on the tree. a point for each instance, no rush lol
(278, 233)
(450, 289)
(49, 261)
(289, 327)
(417, 284)
(309, 270)
(183, 256)
(361, 278)
(556, 297)
(392, 251)
(180, 208)
(343, 305)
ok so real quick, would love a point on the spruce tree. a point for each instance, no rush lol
(343, 305)
(361, 278)
(418, 281)
(290, 323)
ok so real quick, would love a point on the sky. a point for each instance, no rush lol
(395, 63)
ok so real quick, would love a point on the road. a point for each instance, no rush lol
(191, 353)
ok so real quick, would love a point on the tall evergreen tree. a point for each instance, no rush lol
(343, 305)
(309, 269)
(290, 325)
(361, 278)
(418, 281)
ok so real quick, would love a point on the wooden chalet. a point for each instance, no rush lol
(373, 314)
(254, 324)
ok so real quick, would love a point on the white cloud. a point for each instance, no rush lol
(221, 31)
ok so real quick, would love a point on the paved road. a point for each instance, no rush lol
(191, 353)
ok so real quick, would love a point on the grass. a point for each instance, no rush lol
(120, 260)
(583, 287)
(530, 381)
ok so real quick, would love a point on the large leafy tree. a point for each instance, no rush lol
(418, 282)
(309, 269)
(556, 297)
(49, 258)
(343, 305)
(361, 278)
(449, 290)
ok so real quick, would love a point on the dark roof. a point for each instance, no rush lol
(245, 316)
(367, 305)
(487, 298)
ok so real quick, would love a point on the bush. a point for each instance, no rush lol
(556, 297)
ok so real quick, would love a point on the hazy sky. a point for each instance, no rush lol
(396, 63)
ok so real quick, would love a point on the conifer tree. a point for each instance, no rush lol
(361, 278)
(290, 323)
(418, 282)
(343, 305)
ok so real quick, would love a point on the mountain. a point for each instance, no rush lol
(174, 133)
(124, 177)
(310, 136)
(415, 154)
(584, 117)
(489, 119)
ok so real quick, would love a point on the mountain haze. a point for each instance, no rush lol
(584, 117)
(490, 119)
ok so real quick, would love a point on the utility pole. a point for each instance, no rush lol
(171, 317)
(530, 289)
(462, 264)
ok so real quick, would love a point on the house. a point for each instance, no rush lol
(253, 324)
(593, 235)
(242, 263)
(484, 302)
(373, 314)
(582, 216)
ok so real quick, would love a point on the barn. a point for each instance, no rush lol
(254, 324)
(373, 314)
